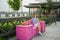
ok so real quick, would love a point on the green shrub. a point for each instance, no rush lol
(48, 19)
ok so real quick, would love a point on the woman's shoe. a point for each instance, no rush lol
(40, 33)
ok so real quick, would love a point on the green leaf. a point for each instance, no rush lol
(15, 4)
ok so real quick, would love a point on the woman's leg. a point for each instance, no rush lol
(39, 28)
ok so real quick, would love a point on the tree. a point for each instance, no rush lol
(15, 4)
(49, 2)
(49, 5)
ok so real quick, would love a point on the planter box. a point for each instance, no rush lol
(24, 32)
(43, 25)
(27, 32)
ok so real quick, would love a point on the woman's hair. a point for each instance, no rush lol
(34, 14)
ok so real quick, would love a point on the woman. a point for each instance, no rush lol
(36, 23)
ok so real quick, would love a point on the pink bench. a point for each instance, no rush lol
(27, 32)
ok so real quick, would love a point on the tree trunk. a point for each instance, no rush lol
(17, 12)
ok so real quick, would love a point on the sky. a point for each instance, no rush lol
(5, 7)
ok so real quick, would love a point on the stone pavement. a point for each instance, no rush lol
(52, 33)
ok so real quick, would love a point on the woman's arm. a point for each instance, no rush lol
(27, 22)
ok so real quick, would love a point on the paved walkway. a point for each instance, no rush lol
(52, 33)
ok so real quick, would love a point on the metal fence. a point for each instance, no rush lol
(14, 14)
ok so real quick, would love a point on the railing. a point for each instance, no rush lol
(14, 14)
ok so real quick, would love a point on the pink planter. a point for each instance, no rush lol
(35, 31)
(27, 32)
(24, 32)
(43, 25)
